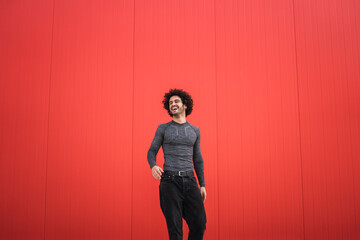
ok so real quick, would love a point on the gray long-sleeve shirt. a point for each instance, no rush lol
(181, 146)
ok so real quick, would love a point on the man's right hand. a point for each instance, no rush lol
(157, 172)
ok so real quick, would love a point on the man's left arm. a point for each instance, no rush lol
(199, 165)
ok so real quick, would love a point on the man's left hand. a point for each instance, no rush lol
(203, 193)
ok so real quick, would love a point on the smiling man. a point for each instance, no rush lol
(180, 196)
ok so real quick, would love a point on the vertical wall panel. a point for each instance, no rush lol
(174, 48)
(89, 177)
(152, 61)
(25, 57)
(328, 58)
(351, 12)
(259, 164)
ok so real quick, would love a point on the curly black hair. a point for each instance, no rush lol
(185, 98)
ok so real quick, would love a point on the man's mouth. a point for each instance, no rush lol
(174, 108)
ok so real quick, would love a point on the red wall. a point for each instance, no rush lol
(276, 90)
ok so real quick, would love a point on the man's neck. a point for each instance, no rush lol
(179, 119)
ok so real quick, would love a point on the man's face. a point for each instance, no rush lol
(176, 106)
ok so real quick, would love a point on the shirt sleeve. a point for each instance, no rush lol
(155, 146)
(198, 160)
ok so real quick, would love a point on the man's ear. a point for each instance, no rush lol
(185, 106)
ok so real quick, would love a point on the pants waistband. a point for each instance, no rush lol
(180, 173)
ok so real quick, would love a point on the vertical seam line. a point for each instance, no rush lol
(299, 125)
(217, 123)
(132, 130)
(48, 125)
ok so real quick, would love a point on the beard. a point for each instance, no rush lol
(179, 111)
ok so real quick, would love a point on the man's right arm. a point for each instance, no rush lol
(155, 146)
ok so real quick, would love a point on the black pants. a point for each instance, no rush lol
(180, 198)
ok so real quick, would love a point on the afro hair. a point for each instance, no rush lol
(185, 98)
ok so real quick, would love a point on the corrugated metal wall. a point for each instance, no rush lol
(276, 86)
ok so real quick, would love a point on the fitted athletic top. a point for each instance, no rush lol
(181, 147)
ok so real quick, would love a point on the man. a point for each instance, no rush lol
(180, 196)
